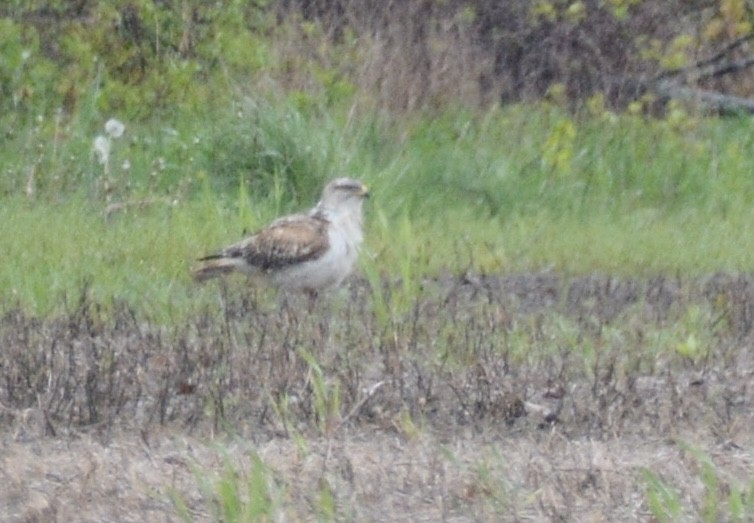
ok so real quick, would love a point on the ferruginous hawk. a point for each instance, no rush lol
(305, 252)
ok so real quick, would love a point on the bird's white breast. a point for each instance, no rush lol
(345, 238)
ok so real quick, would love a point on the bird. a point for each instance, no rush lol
(301, 252)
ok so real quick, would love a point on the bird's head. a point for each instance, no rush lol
(343, 194)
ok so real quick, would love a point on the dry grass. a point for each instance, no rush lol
(528, 397)
(376, 476)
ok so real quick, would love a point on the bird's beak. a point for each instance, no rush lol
(364, 191)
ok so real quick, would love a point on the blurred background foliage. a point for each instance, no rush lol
(141, 58)
(228, 87)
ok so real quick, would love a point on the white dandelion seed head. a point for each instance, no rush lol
(114, 128)
(102, 149)
(126, 165)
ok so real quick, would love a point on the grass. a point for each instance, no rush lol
(143, 255)
(242, 499)
(432, 407)
(550, 304)
(723, 498)
(505, 192)
(102, 322)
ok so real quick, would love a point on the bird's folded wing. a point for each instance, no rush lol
(288, 241)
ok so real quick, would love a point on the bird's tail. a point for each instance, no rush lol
(213, 266)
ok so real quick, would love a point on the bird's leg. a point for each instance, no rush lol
(284, 301)
(320, 316)
(312, 295)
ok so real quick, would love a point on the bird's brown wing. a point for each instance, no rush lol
(287, 241)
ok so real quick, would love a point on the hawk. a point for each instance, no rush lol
(306, 252)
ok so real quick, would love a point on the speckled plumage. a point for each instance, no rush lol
(303, 251)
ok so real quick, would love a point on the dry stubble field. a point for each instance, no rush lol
(528, 397)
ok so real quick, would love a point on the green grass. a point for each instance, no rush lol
(516, 189)
(236, 496)
(143, 256)
(723, 499)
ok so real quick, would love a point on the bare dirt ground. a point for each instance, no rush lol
(478, 398)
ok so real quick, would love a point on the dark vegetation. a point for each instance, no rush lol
(490, 398)
(142, 58)
(601, 356)
(69, 66)
(532, 396)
